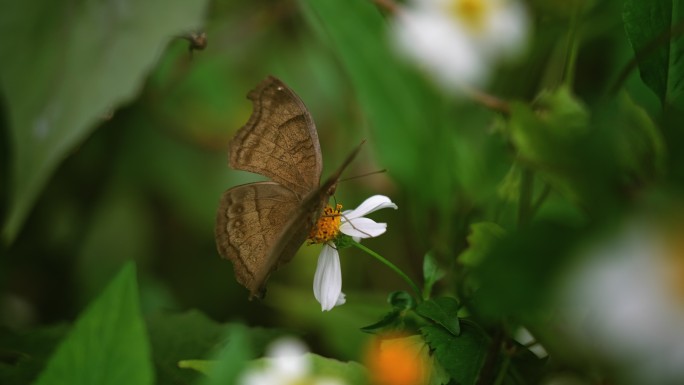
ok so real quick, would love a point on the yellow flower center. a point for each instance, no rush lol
(328, 225)
(472, 13)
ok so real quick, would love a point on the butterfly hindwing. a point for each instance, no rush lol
(249, 224)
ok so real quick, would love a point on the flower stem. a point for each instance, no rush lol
(393, 267)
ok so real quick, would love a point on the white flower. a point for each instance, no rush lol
(459, 41)
(287, 364)
(624, 304)
(328, 278)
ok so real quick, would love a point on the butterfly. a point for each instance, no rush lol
(260, 226)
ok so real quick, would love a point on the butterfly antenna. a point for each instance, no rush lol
(363, 175)
(349, 159)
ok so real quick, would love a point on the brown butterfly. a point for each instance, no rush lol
(260, 226)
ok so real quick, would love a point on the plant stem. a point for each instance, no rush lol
(503, 370)
(391, 266)
(572, 48)
(525, 198)
(542, 197)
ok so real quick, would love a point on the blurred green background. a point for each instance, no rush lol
(113, 147)
(144, 183)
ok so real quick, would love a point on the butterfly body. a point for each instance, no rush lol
(260, 226)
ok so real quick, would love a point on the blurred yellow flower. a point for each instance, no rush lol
(399, 360)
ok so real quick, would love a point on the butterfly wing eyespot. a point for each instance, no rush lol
(248, 225)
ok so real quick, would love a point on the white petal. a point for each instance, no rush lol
(341, 300)
(328, 278)
(443, 48)
(289, 358)
(507, 30)
(374, 203)
(363, 228)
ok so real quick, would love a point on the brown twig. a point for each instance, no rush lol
(388, 5)
(489, 101)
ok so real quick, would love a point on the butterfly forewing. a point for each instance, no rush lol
(280, 140)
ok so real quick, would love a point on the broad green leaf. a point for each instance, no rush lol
(192, 337)
(232, 359)
(655, 29)
(66, 67)
(482, 237)
(107, 344)
(431, 274)
(463, 356)
(349, 372)
(442, 310)
(175, 337)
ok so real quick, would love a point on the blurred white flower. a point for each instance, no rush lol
(327, 284)
(287, 363)
(524, 337)
(624, 306)
(459, 42)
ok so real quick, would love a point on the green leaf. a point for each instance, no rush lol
(201, 366)
(175, 337)
(397, 319)
(438, 375)
(638, 143)
(482, 237)
(391, 320)
(107, 344)
(557, 139)
(401, 300)
(654, 29)
(349, 372)
(431, 274)
(201, 338)
(463, 356)
(68, 65)
(442, 310)
(232, 359)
